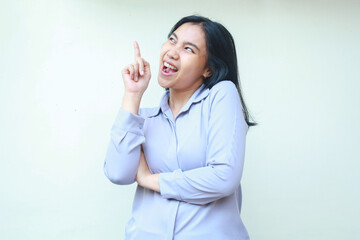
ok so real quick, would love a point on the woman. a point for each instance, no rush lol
(187, 154)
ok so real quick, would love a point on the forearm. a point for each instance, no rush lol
(201, 185)
(151, 182)
(144, 177)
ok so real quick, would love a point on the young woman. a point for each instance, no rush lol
(187, 154)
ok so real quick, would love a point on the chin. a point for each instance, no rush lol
(163, 83)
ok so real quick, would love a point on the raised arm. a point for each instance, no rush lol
(123, 153)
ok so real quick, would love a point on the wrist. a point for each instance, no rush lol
(131, 102)
(133, 95)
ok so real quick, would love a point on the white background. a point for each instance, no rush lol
(61, 87)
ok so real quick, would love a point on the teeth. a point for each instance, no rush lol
(169, 66)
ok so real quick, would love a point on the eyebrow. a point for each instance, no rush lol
(187, 43)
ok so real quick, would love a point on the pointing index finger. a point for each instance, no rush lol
(136, 50)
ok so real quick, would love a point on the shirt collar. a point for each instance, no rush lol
(197, 96)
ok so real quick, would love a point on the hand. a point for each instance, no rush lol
(136, 76)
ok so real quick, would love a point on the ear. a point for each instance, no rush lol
(207, 73)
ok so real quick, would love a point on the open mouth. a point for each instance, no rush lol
(168, 68)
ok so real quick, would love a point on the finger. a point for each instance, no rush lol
(136, 50)
(141, 66)
(136, 71)
(125, 70)
(131, 71)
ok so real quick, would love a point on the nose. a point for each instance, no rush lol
(173, 53)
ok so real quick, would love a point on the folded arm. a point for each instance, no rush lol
(225, 157)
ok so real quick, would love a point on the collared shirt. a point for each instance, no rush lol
(199, 156)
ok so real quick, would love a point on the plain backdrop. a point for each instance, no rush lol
(61, 87)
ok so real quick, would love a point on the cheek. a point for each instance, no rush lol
(195, 65)
(165, 47)
(161, 55)
(162, 52)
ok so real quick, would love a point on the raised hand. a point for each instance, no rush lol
(136, 76)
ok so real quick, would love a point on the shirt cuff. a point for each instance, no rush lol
(167, 182)
(128, 122)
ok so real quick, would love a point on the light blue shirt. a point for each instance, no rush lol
(199, 156)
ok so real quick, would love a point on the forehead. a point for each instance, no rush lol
(190, 32)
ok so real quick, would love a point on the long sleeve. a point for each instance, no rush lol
(123, 153)
(224, 155)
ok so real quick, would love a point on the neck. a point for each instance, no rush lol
(179, 98)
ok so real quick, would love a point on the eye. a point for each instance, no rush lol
(171, 39)
(189, 50)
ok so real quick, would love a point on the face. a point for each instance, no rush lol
(183, 59)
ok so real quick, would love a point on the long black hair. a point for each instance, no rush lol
(221, 52)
